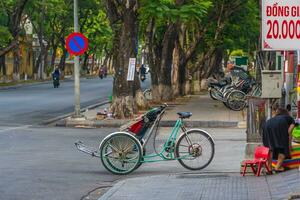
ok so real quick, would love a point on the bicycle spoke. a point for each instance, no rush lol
(195, 150)
(114, 148)
(117, 155)
(183, 145)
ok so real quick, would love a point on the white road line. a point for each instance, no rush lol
(15, 128)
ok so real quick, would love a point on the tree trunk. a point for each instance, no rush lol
(37, 65)
(93, 64)
(154, 63)
(140, 99)
(183, 74)
(175, 71)
(165, 82)
(216, 63)
(53, 57)
(16, 64)
(153, 56)
(3, 65)
(226, 58)
(62, 62)
(46, 59)
(85, 61)
(125, 42)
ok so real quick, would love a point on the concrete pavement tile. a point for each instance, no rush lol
(172, 187)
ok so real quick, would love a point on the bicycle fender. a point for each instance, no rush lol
(204, 132)
(126, 133)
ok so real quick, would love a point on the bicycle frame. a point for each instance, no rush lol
(169, 144)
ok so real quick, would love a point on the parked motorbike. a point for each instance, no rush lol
(229, 93)
(217, 89)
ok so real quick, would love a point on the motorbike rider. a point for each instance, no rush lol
(56, 76)
(101, 72)
(143, 72)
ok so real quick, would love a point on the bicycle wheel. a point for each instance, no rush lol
(195, 149)
(120, 153)
(148, 94)
(236, 100)
(212, 94)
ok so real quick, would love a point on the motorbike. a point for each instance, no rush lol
(217, 89)
(229, 93)
(101, 74)
(55, 82)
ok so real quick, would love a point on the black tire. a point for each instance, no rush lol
(211, 94)
(236, 100)
(115, 151)
(197, 146)
(140, 163)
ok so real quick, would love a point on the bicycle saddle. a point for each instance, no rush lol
(184, 115)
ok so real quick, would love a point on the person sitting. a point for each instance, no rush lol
(276, 135)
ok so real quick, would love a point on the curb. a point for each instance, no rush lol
(62, 123)
(164, 123)
(112, 190)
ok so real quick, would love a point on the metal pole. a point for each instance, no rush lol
(76, 67)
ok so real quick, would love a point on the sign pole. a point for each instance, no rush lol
(76, 67)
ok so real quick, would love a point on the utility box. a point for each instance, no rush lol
(271, 84)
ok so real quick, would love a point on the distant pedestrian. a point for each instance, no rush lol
(277, 135)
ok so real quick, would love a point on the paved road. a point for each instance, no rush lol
(36, 103)
(42, 162)
(33, 104)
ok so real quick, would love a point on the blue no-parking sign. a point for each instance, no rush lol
(76, 44)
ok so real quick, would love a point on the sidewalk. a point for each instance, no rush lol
(207, 186)
(206, 113)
